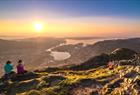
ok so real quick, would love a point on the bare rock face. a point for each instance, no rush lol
(86, 87)
(131, 74)
(53, 80)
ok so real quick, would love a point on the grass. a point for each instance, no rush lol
(62, 82)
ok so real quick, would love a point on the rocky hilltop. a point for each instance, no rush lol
(93, 77)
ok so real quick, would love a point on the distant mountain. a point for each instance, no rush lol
(110, 45)
(80, 53)
(83, 38)
(31, 43)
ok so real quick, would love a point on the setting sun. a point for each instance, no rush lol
(38, 27)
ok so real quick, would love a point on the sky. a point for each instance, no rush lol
(67, 18)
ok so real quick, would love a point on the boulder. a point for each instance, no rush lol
(53, 80)
(26, 76)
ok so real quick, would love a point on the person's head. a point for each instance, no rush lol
(20, 61)
(8, 62)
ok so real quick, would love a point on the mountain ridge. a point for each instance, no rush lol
(101, 80)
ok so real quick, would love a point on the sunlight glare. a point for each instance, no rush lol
(38, 27)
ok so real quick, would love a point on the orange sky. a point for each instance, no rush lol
(64, 18)
(78, 26)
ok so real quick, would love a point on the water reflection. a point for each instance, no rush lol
(60, 55)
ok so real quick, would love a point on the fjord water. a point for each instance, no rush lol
(60, 55)
(65, 55)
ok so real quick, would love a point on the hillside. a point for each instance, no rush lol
(28, 44)
(121, 79)
(80, 53)
(110, 45)
(31, 50)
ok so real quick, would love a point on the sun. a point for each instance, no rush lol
(38, 27)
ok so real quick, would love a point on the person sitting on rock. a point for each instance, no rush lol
(110, 65)
(8, 67)
(20, 68)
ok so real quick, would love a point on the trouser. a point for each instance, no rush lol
(8, 76)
